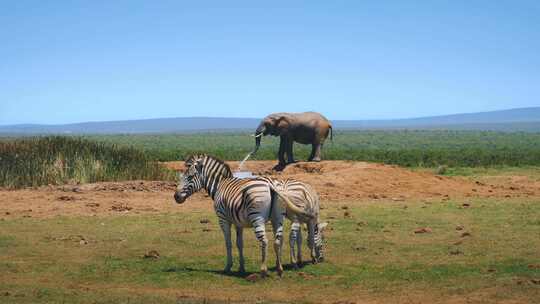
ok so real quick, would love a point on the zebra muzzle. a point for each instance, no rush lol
(180, 197)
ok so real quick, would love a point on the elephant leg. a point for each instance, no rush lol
(313, 150)
(316, 152)
(282, 150)
(290, 156)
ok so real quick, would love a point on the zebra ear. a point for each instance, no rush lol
(322, 226)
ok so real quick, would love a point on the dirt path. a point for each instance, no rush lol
(335, 181)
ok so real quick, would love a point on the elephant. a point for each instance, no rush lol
(305, 128)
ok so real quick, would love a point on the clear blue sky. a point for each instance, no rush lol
(73, 61)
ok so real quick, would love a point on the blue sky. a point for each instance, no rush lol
(73, 61)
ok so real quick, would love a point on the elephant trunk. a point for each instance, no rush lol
(258, 135)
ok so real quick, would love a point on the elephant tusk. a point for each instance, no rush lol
(259, 135)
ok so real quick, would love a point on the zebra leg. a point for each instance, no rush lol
(260, 234)
(226, 227)
(277, 225)
(311, 241)
(293, 235)
(299, 245)
(240, 246)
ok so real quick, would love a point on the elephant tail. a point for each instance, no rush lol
(331, 134)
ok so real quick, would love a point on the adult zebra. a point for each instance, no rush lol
(240, 202)
(306, 198)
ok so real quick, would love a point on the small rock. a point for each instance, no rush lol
(76, 190)
(423, 230)
(346, 214)
(344, 207)
(121, 208)
(83, 242)
(466, 205)
(152, 254)
(459, 227)
(491, 270)
(304, 275)
(254, 277)
(66, 198)
(8, 213)
(204, 221)
(456, 252)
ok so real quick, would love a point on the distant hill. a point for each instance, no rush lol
(522, 119)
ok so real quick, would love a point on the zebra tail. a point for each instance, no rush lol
(290, 205)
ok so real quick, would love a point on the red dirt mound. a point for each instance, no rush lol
(349, 180)
(336, 181)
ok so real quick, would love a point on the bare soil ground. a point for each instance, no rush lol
(336, 181)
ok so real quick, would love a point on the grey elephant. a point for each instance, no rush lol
(305, 128)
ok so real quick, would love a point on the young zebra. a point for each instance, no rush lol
(239, 202)
(305, 198)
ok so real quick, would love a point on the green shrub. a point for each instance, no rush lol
(57, 160)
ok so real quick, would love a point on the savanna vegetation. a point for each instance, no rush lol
(57, 160)
(485, 253)
(420, 148)
(33, 161)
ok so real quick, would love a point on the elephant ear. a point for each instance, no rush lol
(282, 124)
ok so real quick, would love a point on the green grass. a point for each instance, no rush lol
(57, 160)
(373, 254)
(401, 147)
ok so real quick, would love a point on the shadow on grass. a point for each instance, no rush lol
(237, 274)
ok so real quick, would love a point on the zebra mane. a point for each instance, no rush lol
(195, 157)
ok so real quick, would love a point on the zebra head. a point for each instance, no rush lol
(319, 242)
(190, 181)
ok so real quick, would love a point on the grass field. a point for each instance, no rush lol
(61, 159)
(401, 147)
(372, 255)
